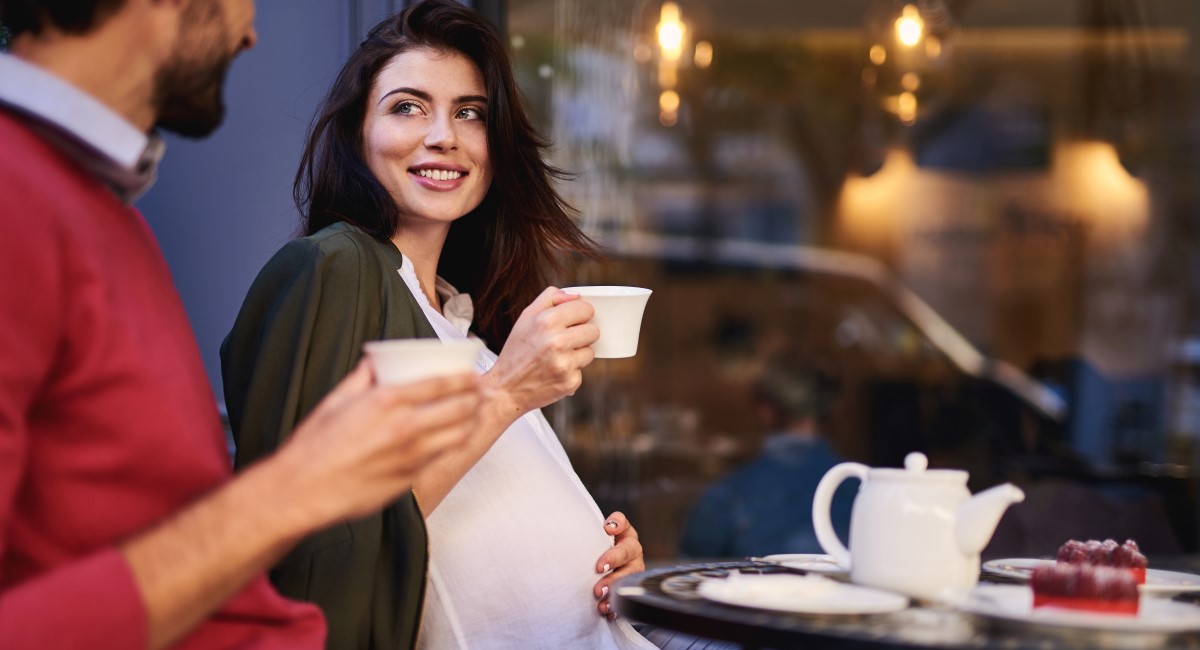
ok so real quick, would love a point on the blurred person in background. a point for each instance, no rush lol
(119, 524)
(429, 212)
(765, 506)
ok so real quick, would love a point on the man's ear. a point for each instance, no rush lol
(159, 24)
(174, 7)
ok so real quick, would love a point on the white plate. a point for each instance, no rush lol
(800, 594)
(811, 562)
(1014, 603)
(1017, 568)
(1157, 580)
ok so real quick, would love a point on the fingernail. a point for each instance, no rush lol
(606, 567)
(611, 523)
(608, 607)
(603, 591)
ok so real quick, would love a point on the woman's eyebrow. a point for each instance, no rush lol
(421, 94)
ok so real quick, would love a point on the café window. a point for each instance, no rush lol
(961, 227)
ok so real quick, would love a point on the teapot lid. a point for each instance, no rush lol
(916, 467)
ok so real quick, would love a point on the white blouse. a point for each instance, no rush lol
(513, 547)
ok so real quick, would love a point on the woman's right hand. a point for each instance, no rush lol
(543, 358)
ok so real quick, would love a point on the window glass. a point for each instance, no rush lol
(966, 228)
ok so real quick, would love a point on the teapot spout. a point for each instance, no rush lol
(978, 516)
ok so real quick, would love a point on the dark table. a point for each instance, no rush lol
(667, 598)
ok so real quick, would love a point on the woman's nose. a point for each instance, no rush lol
(441, 134)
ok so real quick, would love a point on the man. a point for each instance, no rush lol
(765, 506)
(119, 524)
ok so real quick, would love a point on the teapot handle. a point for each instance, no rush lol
(822, 499)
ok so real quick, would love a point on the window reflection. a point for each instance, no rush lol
(1008, 189)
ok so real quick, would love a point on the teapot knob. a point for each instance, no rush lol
(916, 462)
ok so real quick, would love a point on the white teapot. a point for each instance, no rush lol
(915, 530)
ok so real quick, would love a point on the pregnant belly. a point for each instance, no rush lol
(517, 540)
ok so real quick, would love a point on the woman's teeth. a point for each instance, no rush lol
(439, 174)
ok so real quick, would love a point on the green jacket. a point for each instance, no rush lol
(299, 332)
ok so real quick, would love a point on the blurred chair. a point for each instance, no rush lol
(1056, 510)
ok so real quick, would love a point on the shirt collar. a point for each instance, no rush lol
(457, 307)
(100, 139)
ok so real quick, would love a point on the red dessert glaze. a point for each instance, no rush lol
(1085, 587)
(1087, 604)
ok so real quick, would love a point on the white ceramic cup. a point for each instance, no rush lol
(619, 317)
(403, 361)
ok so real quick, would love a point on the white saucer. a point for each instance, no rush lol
(811, 562)
(1014, 603)
(811, 594)
(1157, 581)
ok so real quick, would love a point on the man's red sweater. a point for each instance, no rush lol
(107, 422)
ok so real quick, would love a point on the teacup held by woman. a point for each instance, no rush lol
(618, 315)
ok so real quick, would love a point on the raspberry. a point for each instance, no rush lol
(1136, 559)
(1108, 553)
(1096, 552)
(1073, 552)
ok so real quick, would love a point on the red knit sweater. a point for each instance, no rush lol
(107, 422)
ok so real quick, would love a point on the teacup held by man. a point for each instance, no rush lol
(402, 361)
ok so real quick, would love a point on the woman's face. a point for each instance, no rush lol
(425, 135)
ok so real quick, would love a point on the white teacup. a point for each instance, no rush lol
(619, 317)
(403, 361)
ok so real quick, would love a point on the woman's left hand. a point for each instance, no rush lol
(624, 558)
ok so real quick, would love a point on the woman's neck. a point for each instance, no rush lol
(423, 247)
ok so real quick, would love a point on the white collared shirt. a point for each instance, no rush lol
(105, 143)
(513, 547)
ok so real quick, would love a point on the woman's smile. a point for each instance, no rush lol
(439, 178)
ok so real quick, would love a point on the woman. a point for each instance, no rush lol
(422, 174)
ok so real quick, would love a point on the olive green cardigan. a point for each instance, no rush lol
(299, 332)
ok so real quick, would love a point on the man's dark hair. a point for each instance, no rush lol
(795, 387)
(73, 16)
(502, 253)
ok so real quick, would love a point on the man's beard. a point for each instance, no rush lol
(188, 89)
(189, 95)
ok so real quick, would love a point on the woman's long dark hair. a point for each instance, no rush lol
(502, 253)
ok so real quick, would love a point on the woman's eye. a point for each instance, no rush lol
(470, 114)
(407, 108)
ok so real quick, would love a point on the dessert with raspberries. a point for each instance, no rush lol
(1107, 553)
(1085, 587)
